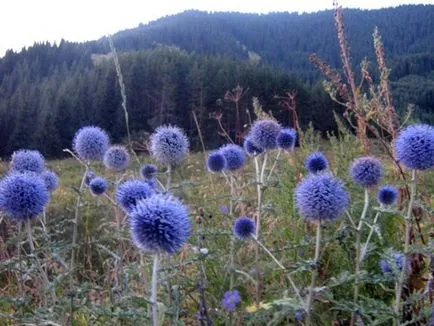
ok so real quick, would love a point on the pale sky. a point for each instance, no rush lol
(22, 22)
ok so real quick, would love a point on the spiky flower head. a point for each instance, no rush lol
(169, 145)
(159, 224)
(244, 228)
(51, 180)
(216, 161)
(250, 148)
(321, 197)
(414, 147)
(129, 192)
(387, 195)
(116, 158)
(316, 162)
(90, 143)
(148, 171)
(25, 160)
(230, 300)
(234, 156)
(264, 133)
(367, 171)
(286, 138)
(394, 261)
(98, 186)
(88, 177)
(23, 195)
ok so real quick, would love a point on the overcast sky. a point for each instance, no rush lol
(22, 22)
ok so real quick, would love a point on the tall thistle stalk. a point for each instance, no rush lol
(309, 299)
(154, 288)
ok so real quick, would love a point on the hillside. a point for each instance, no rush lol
(188, 61)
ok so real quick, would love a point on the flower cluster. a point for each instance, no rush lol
(90, 143)
(26, 160)
(169, 145)
(230, 300)
(264, 134)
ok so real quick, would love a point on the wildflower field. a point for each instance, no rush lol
(267, 234)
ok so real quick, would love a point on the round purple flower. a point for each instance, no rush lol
(367, 171)
(90, 143)
(51, 180)
(129, 192)
(321, 197)
(23, 195)
(230, 300)
(116, 158)
(98, 186)
(244, 228)
(169, 145)
(148, 171)
(414, 147)
(394, 262)
(234, 156)
(286, 138)
(26, 160)
(316, 162)
(387, 195)
(216, 162)
(385, 267)
(250, 148)
(264, 133)
(88, 178)
(159, 224)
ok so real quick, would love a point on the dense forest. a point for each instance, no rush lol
(187, 62)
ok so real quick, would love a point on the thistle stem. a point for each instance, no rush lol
(169, 177)
(371, 232)
(155, 317)
(408, 219)
(274, 164)
(314, 274)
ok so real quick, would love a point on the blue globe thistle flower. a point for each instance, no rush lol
(129, 192)
(224, 209)
(51, 180)
(26, 160)
(250, 148)
(90, 143)
(216, 162)
(23, 195)
(385, 267)
(169, 145)
(414, 147)
(234, 156)
(230, 300)
(88, 178)
(387, 195)
(159, 224)
(367, 171)
(316, 162)
(98, 186)
(396, 258)
(298, 315)
(244, 228)
(116, 158)
(321, 197)
(264, 133)
(286, 138)
(148, 171)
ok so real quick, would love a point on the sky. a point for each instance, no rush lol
(23, 22)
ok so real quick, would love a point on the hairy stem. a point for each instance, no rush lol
(155, 317)
(274, 164)
(169, 177)
(371, 232)
(309, 299)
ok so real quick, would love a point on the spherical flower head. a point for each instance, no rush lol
(148, 171)
(250, 148)
(385, 267)
(23, 195)
(321, 197)
(264, 133)
(286, 138)
(234, 156)
(216, 162)
(160, 223)
(387, 195)
(169, 145)
(98, 186)
(27, 161)
(414, 147)
(88, 178)
(244, 228)
(116, 158)
(51, 180)
(129, 192)
(367, 171)
(316, 162)
(224, 209)
(394, 261)
(90, 143)
(230, 300)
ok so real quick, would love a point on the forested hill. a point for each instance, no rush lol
(187, 62)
